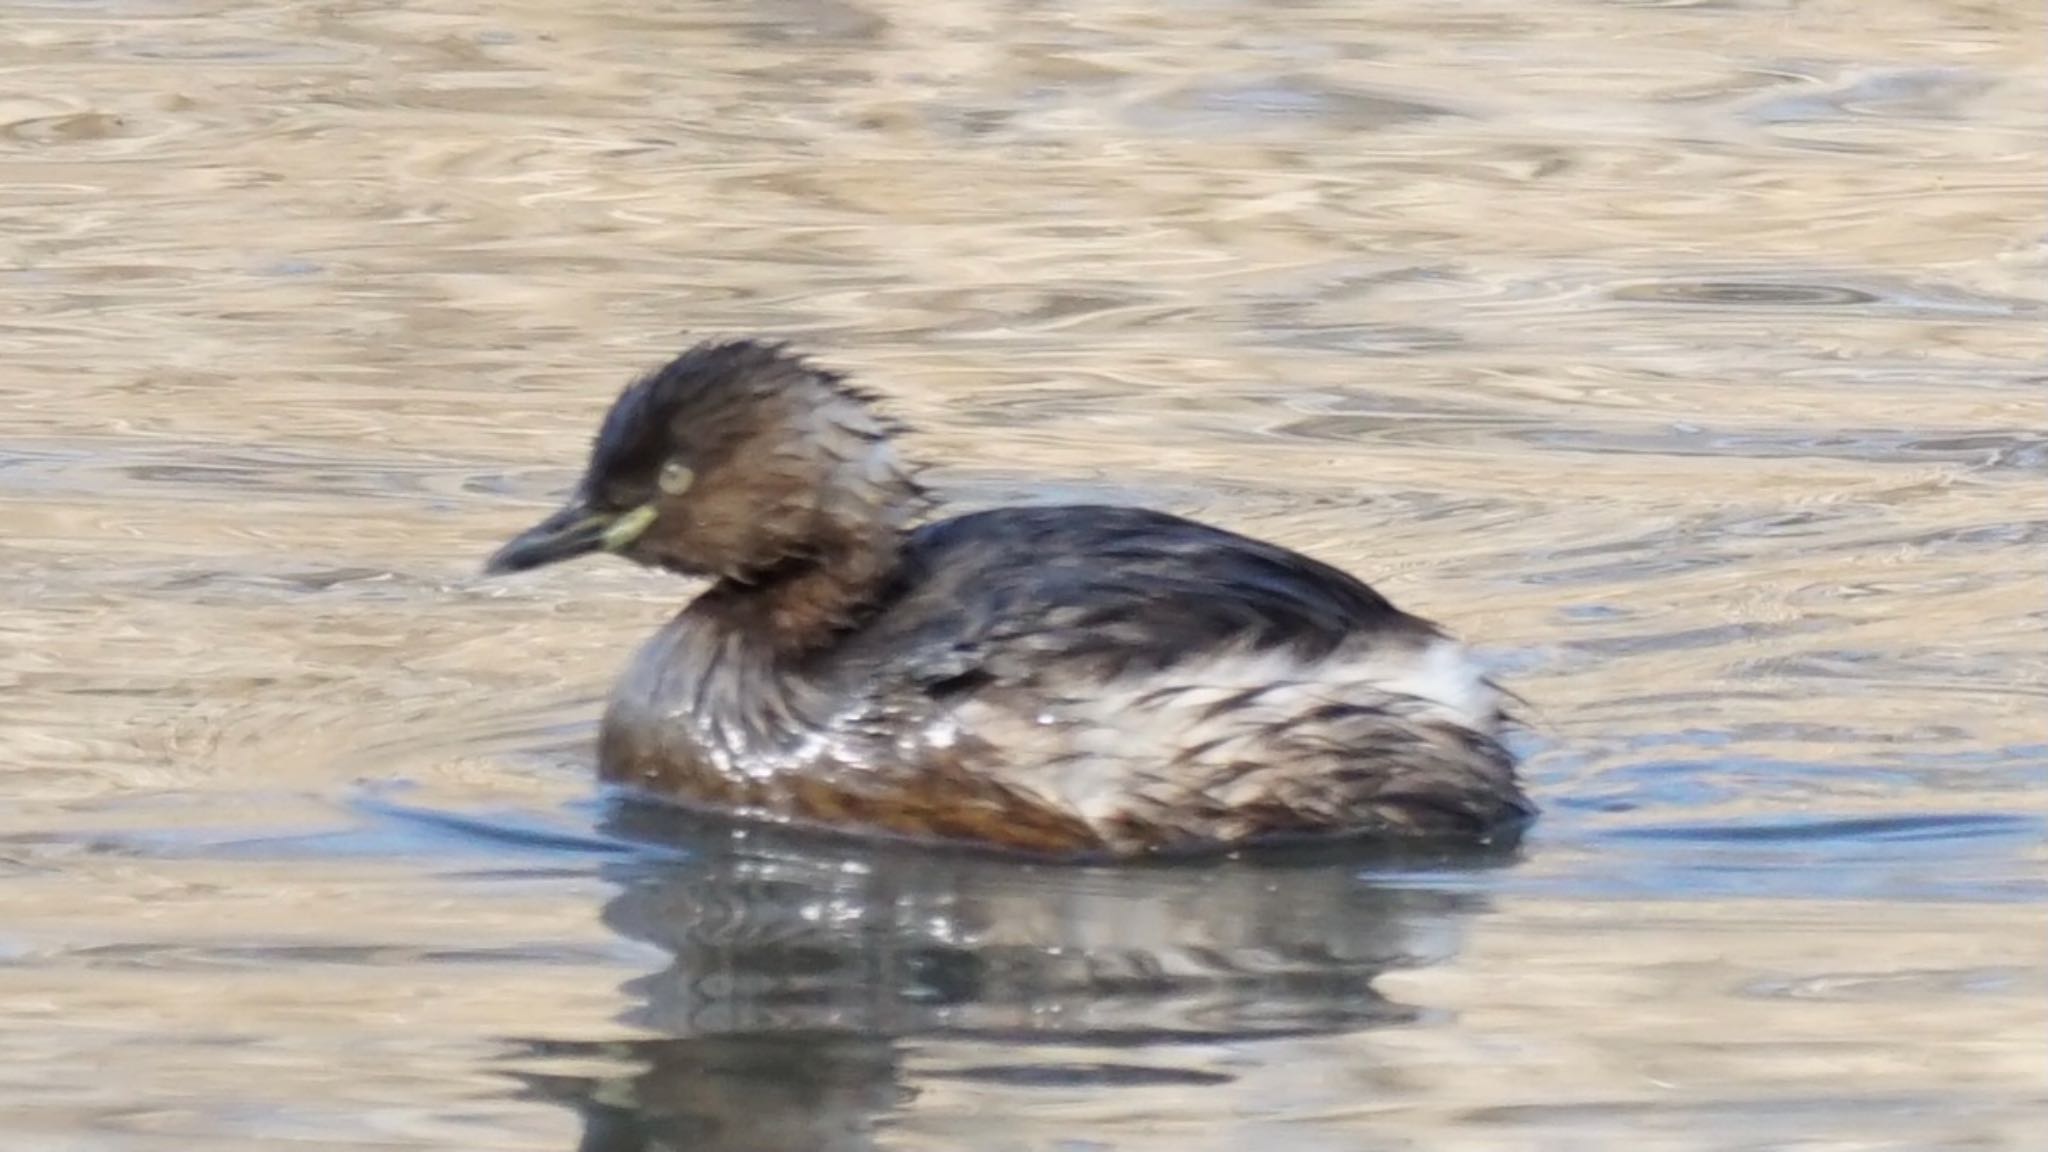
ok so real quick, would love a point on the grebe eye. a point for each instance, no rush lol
(675, 478)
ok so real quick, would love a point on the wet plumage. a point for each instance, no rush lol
(1067, 679)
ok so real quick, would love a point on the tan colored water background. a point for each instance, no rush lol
(1688, 358)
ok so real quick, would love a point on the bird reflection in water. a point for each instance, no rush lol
(816, 982)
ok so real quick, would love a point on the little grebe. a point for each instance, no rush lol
(1070, 680)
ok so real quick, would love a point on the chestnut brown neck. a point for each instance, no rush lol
(802, 604)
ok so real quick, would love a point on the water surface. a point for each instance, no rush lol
(1686, 356)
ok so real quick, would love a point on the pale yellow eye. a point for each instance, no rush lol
(675, 478)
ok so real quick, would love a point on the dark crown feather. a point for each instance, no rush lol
(707, 377)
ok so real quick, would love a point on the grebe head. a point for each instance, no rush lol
(735, 460)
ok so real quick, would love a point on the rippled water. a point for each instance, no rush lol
(1687, 356)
